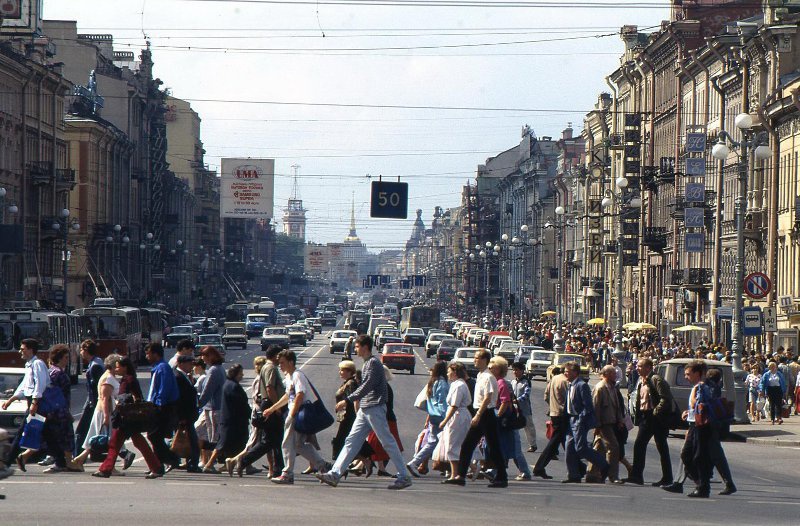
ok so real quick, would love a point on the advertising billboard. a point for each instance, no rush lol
(246, 188)
(316, 259)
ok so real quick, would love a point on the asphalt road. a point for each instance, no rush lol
(766, 477)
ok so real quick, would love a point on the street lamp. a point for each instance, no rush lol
(522, 289)
(720, 151)
(632, 201)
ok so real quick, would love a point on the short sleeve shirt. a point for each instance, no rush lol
(270, 377)
(503, 393)
(297, 383)
(485, 386)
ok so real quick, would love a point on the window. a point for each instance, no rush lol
(680, 379)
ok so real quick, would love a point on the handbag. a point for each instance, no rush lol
(134, 417)
(421, 401)
(32, 432)
(312, 416)
(181, 445)
(52, 400)
(513, 417)
(628, 421)
(98, 444)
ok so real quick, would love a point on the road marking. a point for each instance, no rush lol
(421, 360)
(772, 502)
(106, 482)
(765, 480)
(194, 484)
(26, 482)
(788, 447)
(599, 495)
(315, 355)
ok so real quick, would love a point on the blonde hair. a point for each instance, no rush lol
(347, 364)
(259, 362)
(501, 363)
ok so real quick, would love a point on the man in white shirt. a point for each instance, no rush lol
(31, 388)
(484, 423)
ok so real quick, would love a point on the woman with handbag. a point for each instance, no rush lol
(100, 425)
(234, 418)
(233, 462)
(456, 421)
(345, 417)
(436, 407)
(298, 392)
(507, 409)
(128, 386)
(774, 384)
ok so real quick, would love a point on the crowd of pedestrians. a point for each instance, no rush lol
(198, 417)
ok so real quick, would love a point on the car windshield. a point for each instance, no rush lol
(182, 329)
(564, 358)
(277, 330)
(235, 330)
(399, 349)
(464, 353)
(543, 356)
(341, 334)
(6, 336)
(9, 382)
(415, 331)
(438, 337)
(392, 333)
(106, 327)
(451, 343)
(258, 319)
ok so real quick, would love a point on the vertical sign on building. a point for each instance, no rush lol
(632, 166)
(694, 194)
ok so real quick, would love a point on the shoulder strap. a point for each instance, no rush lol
(313, 389)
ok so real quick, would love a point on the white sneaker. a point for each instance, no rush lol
(400, 484)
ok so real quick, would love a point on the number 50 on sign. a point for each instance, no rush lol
(389, 200)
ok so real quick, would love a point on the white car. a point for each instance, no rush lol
(432, 344)
(497, 340)
(507, 349)
(466, 357)
(538, 363)
(339, 340)
(11, 418)
(475, 335)
(524, 353)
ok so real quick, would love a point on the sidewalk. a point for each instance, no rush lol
(763, 433)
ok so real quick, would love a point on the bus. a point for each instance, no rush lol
(115, 329)
(420, 317)
(237, 311)
(266, 306)
(49, 327)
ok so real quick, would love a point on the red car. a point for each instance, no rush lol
(399, 356)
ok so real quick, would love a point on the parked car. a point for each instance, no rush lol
(235, 334)
(398, 356)
(466, 357)
(414, 336)
(339, 340)
(561, 358)
(538, 363)
(178, 334)
(256, 323)
(447, 348)
(433, 341)
(672, 372)
(11, 418)
(274, 336)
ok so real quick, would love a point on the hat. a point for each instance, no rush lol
(184, 359)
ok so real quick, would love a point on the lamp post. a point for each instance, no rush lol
(62, 224)
(720, 151)
(524, 244)
(501, 251)
(622, 199)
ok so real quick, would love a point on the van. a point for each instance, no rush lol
(375, 321)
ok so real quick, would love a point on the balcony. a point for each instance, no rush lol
(40, 172)
(655, 238)
(676, 278)
(694, 278)
(65, 179)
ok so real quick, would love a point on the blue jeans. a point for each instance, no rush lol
(578, 448)
(426, 450)
(519, 456)
(370, 418)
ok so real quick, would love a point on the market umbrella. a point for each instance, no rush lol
(647, 326)
(632, 326)
(596, 321)
(549, 313)
(689, 328)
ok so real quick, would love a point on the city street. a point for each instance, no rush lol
(766, 478)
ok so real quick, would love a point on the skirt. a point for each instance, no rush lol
(378, 453)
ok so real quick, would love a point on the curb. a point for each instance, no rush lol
(768, 442)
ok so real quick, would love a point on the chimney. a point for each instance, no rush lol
(567, 133)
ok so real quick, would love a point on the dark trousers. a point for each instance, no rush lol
(83, 426)
(50, 442)
(651, 427)
(775, 396)
(695, 456)
(487, 427)
(269, 440)
(560, 428)
(578, 447)
(165, 425)
(717, 454)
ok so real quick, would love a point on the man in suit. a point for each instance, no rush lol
(610, 418)
(652, 409)
(186, 409)
(555, 396)
(581, 419)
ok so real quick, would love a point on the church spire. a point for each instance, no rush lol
(353, 217)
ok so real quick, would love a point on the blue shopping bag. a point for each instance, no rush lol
(32, 432)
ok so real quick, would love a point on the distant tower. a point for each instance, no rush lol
(352, 237)
(294, 215)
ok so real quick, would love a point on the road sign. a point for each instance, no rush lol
(770, 319)
(785, 302)
(757, 285)
(751, 321)
(725, 312)
(389, 200)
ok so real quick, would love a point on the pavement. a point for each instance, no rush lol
(764, 433)
(764, 476)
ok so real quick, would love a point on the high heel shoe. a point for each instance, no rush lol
(368, 469)
(21, 463)
(229, 465)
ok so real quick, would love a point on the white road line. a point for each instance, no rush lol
(315, 355)
(421, 360)
(772, 502)
(26, 482)
(106, 482)
(765, 480)
(193, 484)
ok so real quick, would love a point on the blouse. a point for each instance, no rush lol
(458, 395)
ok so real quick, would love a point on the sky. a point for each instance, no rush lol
(348, 90)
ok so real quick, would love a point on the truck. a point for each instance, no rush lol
(235, 335)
